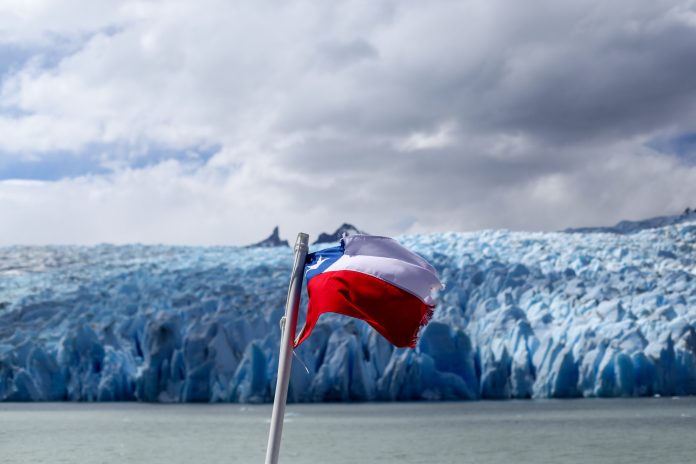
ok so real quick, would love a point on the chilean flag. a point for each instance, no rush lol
(374, 279)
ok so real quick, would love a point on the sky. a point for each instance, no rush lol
(210, 122)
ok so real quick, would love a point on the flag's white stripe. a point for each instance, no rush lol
(371, 245)
(409, 277)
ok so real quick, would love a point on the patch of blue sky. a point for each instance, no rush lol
(682, 146)
(46, 54)
(50, 167)
(195, 156)
(96, 160)
(13, 57)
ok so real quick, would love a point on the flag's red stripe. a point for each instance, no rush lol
(393, 312)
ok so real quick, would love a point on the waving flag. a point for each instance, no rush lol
(374, 279)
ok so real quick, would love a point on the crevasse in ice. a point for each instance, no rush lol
(567, 314)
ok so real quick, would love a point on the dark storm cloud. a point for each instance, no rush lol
(336, 55)
(558, 94)
(624, 82)
(572, 72)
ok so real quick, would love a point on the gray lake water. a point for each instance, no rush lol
(576, 431)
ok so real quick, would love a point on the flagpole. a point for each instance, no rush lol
(287, 338)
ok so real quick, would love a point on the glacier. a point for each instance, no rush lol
(578, 313)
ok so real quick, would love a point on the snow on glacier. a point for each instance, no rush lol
(568, 314)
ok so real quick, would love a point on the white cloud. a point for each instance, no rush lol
(398, 116)
(442, 137)
(28, 135)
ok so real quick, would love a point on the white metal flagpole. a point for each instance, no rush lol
(287, 338)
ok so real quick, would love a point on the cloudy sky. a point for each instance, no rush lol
(211, 121)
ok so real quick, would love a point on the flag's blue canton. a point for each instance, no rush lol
(318, 261)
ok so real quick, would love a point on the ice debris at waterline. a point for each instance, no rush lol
(523, 315)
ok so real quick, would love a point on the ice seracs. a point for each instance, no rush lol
(522, 315)
(629, 227)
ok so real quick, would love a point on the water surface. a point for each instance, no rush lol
(577, 431)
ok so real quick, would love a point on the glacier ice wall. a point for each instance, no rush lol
(522, 315)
